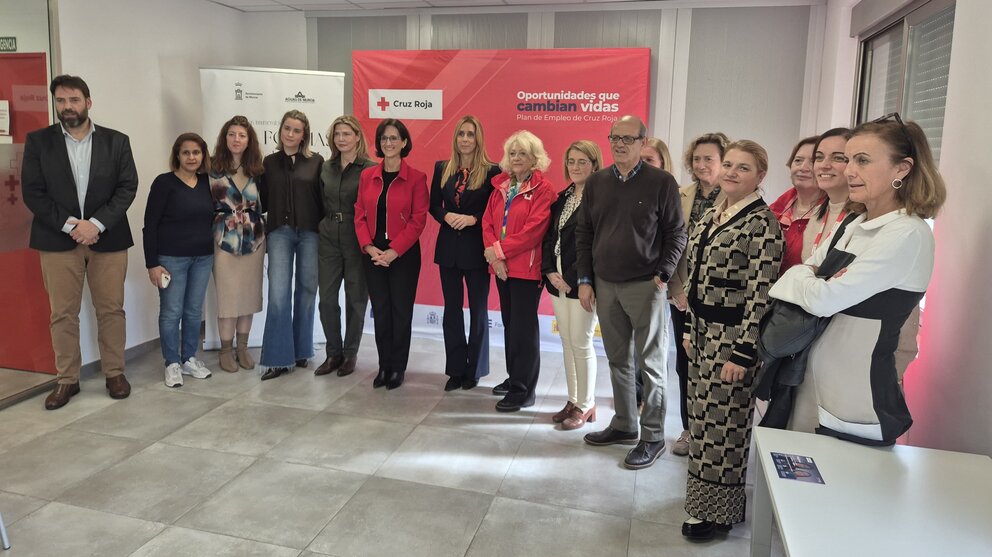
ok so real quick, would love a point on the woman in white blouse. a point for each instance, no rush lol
(892, 174)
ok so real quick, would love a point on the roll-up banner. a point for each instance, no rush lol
(263, 95)
(561, 95)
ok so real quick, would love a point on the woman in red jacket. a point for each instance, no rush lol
(390, 214)
(513, 228)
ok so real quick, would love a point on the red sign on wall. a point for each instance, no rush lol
(561, 95)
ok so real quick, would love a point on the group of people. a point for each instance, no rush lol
(621, 244)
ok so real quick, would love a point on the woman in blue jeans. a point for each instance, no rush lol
(291, 197)
(179, 254)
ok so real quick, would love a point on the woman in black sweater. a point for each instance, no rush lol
(179, 254)
(575, 325)
(290, 194)
(459, 193)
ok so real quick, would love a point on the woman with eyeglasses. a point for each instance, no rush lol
(340, 256)
(460, 191)
(795, 207)
(576, 326)
(239, 238)
(513, 228)
(894, 183)
(703, 160)
(290, 190)
(390, 215)
(734, 254)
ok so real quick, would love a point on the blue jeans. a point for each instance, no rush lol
(182, 303)
(289, 317)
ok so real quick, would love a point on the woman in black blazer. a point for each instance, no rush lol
(575, 325)
(459, 193)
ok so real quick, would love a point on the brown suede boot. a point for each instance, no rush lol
(227, 361)
(244, 358)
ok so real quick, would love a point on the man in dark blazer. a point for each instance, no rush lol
(78, 181)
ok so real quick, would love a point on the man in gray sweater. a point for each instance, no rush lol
(629, 238)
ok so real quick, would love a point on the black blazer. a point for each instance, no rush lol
(463, 248)
(568, 259)
(49, 188)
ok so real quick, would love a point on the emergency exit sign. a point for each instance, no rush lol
(8, 44)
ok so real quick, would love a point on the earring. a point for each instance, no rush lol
(897, 183)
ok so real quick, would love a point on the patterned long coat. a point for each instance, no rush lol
(731, 268)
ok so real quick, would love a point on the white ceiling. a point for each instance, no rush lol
(352, 5)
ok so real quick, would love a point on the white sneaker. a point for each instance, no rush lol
(195, 368)
(173, 376)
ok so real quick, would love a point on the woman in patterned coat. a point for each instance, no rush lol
(734, 254)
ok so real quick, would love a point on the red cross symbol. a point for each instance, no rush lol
(383, 104)
(11, 182)
(12, 199)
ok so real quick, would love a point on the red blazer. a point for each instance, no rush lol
(527, 221)
(793, 233)
(407, 202)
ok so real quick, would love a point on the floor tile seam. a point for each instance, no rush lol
(333, 515)
(28, 440)
(201, 528)
(466, 430)
(209, 449)
(135, 552)
(481, 522)
(104, 511)
(47, 502)
(566, 506)
(255, 461)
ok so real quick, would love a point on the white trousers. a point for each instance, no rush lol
(576, 328)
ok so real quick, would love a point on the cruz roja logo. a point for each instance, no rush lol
(299, 97)
(414, 104)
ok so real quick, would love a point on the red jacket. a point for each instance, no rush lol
(793, 233)
(407, 202)
(527, 221)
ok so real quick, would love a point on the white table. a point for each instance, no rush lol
(894, 501)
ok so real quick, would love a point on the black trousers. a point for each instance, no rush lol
(392, 291)
(681, 362)
(466, 358)
(518, 300)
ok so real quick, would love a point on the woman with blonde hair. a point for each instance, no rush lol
(655, 152)
(460, 191)
(291, 196)
(703, 159)
(239, 238)
(893, 179)
(513, 228)
(339, 255)
(576, 326)
(734, 254)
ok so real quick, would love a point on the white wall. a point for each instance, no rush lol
(838, 68)
(141, 59)
(950, 386)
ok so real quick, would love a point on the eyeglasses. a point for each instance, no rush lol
(625, 139)
(390, 139)
(902, 126)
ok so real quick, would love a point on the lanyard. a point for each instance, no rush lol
(820, 235)
(514, 190)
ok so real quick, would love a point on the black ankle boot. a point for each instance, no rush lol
(395, 380)
(380, 379)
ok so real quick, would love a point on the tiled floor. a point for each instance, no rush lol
(315, 466)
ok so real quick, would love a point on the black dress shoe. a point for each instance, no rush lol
(502, 389)
(395, 380)
(302, 363)
(703, 531)
(274, 372)
(610, 436)
(644, 454)
(469, 384)
(513, 404)
(380, 379)
(453, 383)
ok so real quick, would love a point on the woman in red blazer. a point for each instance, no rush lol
(390, 214)
(513, 228)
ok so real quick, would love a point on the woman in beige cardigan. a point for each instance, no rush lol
(702, 159)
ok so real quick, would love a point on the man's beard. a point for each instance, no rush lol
(74, 120)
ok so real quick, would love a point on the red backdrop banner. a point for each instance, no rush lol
(25, 341)
(561, 95)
